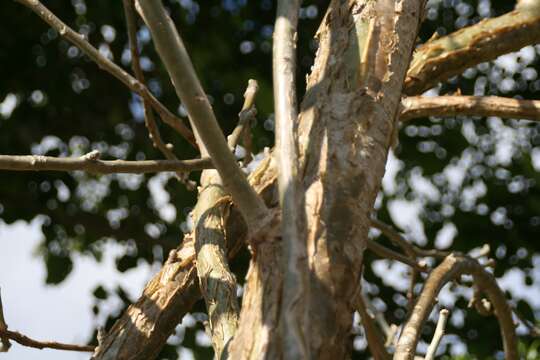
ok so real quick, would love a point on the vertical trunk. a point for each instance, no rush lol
(346, 127)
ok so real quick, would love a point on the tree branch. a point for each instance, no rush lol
(217, 283)
(384, 252)
(404, 244)
(451, 268)
(144, 327)
(424, 106)
(439, 59)
(245, 116)
(149, 120)
(4, 340)
(96, 166)
(188, 88)
(373, 334)
(6, 335)
(109, 66)
(295, 295)
(437, 336)
(26, 341)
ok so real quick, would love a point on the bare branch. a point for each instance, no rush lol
(144, 327)
(294, 313)
(26, 341)
(217, 283)
(93, 165)
(451, 268)
(4, 340)
(246, 115)
(423, 106)
(401, 242)
(384, 252)
(534, 330)
(109, 66)
(373, 334)
(149, 120)
(6, 335)
(437, 336)
(188, 88)
(439, 59)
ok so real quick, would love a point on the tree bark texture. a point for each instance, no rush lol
(439, 59)
(145, 326)
(345, 126)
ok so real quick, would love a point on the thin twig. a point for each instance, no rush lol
(26, 341)
(294, 315)
(246, 115)
(385, 252)
(188, 88)
(373, 334)
(109, 66)
(534, 330)
(451, 268)
(407, 247)
(149, 120)
(96, 166)
(423, 106)
(437, 336)
(6, 335)
(4, 340)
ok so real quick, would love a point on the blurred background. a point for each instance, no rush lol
(76, 249)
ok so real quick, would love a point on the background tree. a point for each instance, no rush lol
(470, 180)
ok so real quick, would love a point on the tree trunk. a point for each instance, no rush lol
(346, 127)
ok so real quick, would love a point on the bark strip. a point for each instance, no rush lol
(346, 124)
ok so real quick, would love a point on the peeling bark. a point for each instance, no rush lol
(346, 126)
(217, 283)
(345, 129)
(439, 59)
(145, 326)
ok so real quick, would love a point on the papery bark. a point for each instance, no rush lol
(346, 127)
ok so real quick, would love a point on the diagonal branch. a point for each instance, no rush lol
(438, 335)
(423, 106)
(91, 163)
(384, 252)
(439, 59)
(451, 268)
(246, 115)
(373, 334)
(144, 327)
(109, 66)
(4, 340)
(217, 283)
(188, 88)
(295, 294)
